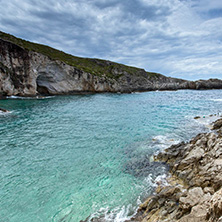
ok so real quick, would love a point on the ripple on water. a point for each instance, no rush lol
(68, 157)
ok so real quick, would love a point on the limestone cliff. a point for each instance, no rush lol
(29, 69)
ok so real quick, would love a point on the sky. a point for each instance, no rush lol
(178, 38)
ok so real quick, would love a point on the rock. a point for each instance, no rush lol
(170, 206)
(209, 190)
(215, 209)
(194, 195)
(209, 84)
(164, 213)
(192, 218)
(171, 192)
(217, 124)
(199, 211)
(4, 110)
(153, 203)
(195, 155)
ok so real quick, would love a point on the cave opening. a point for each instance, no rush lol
(41, 85)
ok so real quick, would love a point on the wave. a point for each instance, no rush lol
(123, 213)
(162, 179)
(207, 120)
(5, 113)
(35, 97)
(216, 100)
(135, 93)
(119, 214)
(164, 141)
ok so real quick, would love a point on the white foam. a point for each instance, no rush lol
(4, 113)
(164, 141)
(162, 179)
(149, 180)
(208, 119)
(12, 97)
(216, 100)
(36, 97)
(119, 214)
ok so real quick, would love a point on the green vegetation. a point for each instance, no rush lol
(96, 67)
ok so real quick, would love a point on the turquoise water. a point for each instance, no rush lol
(67, 157)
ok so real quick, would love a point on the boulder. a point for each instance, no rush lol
(215, 209)
(193, 197)
(217, 124)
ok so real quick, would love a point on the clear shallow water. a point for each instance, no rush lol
(67, 157)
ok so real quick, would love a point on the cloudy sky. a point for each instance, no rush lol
(179, 38)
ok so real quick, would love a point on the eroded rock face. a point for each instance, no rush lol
(29, 73)
(16, 75)
(195, 190)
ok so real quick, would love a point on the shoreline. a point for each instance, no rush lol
(84, 93)
(194, 188)
(53, 72)
(39, 96)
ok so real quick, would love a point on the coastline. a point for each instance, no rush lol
(194, 188)
(37, 70)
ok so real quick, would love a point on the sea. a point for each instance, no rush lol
(77, 157)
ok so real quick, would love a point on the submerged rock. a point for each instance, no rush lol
(142, 167)
(4, 110)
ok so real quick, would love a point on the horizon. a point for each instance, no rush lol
(180, 39)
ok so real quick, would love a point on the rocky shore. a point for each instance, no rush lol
(194, 190)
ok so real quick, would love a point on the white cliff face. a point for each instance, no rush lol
(28, 73)
(56, 77)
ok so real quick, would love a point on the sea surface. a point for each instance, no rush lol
(65, 158)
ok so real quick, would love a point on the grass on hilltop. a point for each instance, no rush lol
(96, 67)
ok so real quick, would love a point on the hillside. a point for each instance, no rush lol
(30, 69)
(96, 67)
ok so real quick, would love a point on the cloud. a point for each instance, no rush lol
(173, 37)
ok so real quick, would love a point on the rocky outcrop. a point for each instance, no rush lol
(4, 110)
(194, 189)
(29, 69)
(29, 73)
